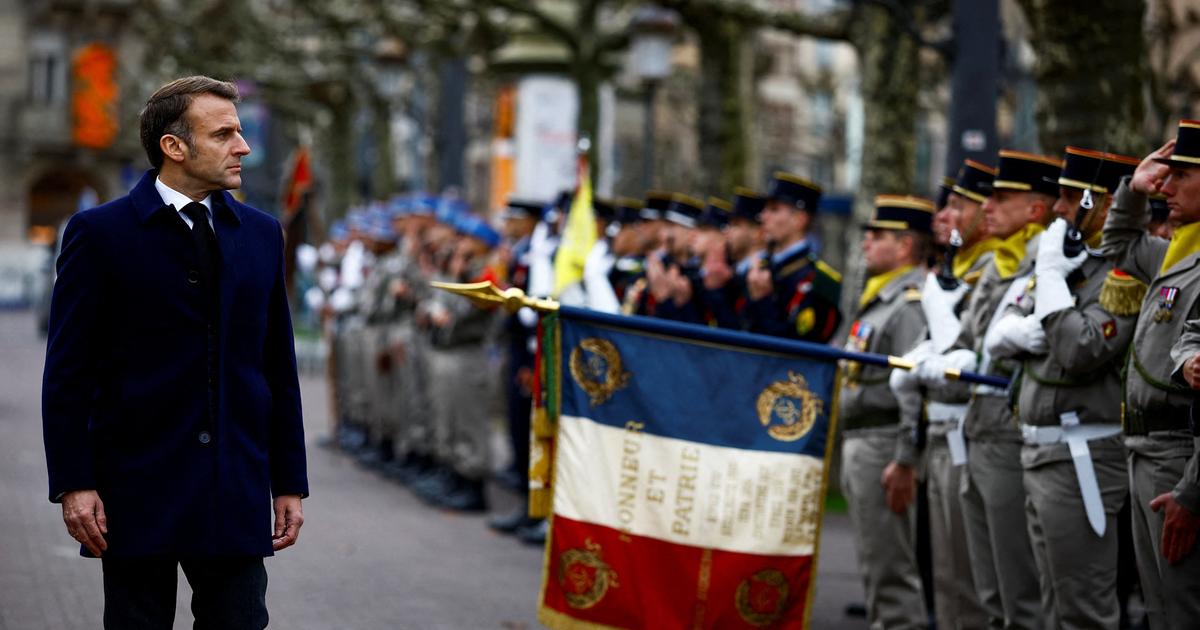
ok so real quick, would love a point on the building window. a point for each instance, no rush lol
(47, 69)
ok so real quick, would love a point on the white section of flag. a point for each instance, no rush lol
(685, 492)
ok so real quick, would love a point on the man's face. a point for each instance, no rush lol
(1067, 207)
(518, 227)
(782, 222)
(743, 237)
(883, 251)
(1007, 211)
(945, 221)
(1182, 189)
(968, 219)
(215, 157)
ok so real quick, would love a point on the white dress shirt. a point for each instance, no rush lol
(178, 200)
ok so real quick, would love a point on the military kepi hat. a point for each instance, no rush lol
(747, 204)
(656, 205)
(684, 210)
(523, 208)
(794, 191)
(717, 213)
(1095, 170)
(902, 212)
(604, 209)
(1027, 172)
(629, 211)
(943, 193)
(1187, 146)
(974, 181)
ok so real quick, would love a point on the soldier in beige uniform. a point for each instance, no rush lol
(878, 456)
(1159, 433)
(959, 221)
(993, 495)
(408, 287)
(1071, 332)
(375, 308)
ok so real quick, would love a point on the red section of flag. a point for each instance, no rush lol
(600, 575)
(298, 183)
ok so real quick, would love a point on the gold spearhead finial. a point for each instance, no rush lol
(487, 295)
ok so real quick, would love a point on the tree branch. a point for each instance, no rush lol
(551, 25)
(835, 25)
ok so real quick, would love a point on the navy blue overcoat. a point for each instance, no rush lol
(185, 418)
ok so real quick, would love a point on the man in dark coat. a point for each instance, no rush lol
(170, 402)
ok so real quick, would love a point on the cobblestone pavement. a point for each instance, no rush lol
(370, 555)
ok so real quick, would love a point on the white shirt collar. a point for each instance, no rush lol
(178, 200)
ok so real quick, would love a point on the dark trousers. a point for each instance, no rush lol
(227, 593)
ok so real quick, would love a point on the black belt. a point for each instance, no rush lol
(871, 422)
(1168, 419)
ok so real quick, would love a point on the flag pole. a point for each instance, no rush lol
(487, 295)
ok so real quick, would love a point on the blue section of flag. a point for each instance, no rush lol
(699, 387)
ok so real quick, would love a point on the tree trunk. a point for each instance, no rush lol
(888, 66)
(340, 154)
(383, 169)
(1089, 70)
(723, 137)
(587, 78)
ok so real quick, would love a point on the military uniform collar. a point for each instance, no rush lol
(913, 279)
(793, 251)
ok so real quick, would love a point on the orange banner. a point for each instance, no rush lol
(94, 100)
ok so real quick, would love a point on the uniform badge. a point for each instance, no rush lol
(788, 409)
(1109, 328)
(806, 320)
(584, 577)
(762, 598)
(1166, 302)
(596, 367)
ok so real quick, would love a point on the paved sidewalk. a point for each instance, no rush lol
(370, 556)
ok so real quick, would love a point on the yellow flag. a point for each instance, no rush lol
(578, 236)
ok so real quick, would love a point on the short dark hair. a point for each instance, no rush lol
(164, 112)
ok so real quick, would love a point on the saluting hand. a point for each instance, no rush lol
(1179, 528)
(1150, 175)
(83, 512)
(289, 516)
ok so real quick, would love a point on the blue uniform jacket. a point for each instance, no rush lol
(185, 426)
(804, 303)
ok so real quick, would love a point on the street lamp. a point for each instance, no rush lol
(653, 30)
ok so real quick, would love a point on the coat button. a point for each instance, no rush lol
(193, 276)
(205, 438)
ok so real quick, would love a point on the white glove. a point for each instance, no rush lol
(1015, 334)
(938, 305)
(905, 382)
(932, 370)
(541, 264)
(599, 261)
(1050, 257)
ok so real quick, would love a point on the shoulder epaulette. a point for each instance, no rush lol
(1122, 294)
(973, 277)
(912, 294)
(793, 267)
(829, 271)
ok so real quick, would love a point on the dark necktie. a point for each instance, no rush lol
(204, 240)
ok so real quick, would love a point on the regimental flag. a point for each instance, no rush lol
(579, 234)
(689, 467)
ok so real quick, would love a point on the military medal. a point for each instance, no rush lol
(860, 334)
(1166, 303)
